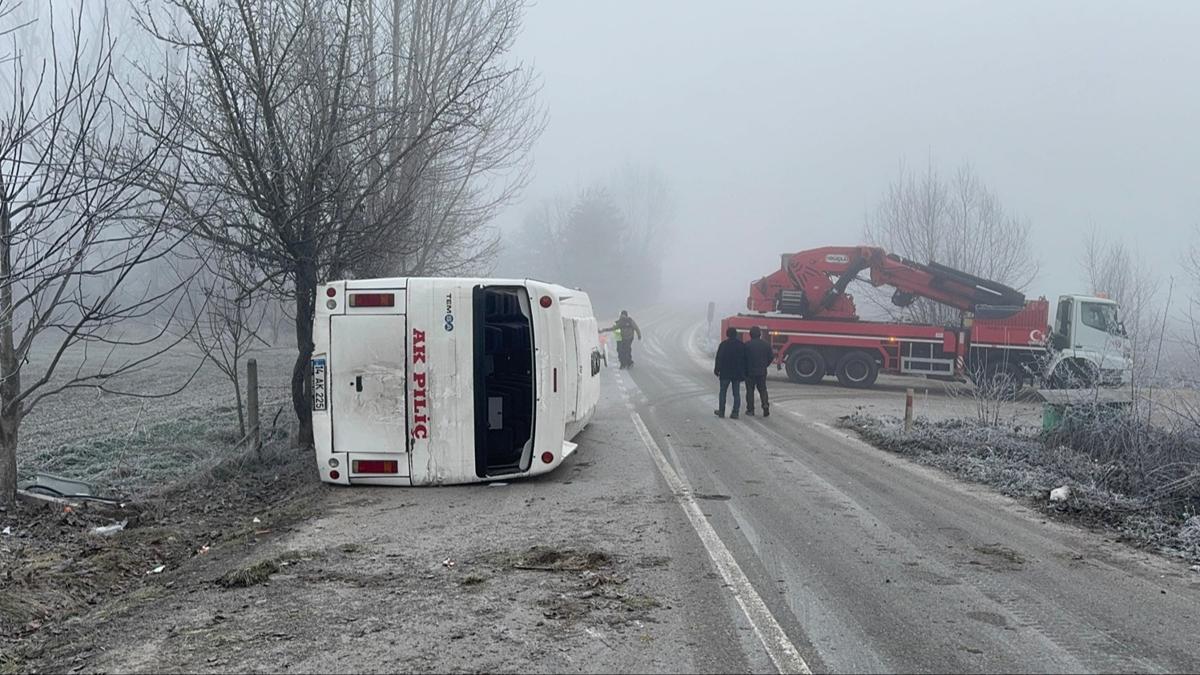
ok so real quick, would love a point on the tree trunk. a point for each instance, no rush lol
(8, 457)
(10, 365)
(10, 410)
(305, 296)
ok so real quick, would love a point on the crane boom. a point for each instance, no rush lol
(813, 283)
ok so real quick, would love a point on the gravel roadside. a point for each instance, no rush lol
(589, 569)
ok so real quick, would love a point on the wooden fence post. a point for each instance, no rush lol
(252, 403)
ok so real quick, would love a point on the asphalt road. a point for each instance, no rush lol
(870, 563)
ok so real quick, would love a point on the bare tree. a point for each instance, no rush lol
(73, 231)
(957, 222)
(609, 238)
(1188, 341)
(536, 249)
(228, 321)
(1116, 272)
(466, 173)
(647, 205)
(591, 249)
(587, 241)
(318, 145)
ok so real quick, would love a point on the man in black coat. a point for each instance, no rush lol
(759, 356)
(730, 367)
(626, 329)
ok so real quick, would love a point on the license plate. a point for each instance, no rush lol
(318, 380)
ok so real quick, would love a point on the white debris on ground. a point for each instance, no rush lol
(1060, 494)
(107, 530)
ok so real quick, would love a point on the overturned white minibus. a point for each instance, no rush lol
(428, 381)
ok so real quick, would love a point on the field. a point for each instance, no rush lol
(133, 444)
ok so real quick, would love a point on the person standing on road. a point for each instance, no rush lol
(758, 358)
(730, 368)
(625, 329)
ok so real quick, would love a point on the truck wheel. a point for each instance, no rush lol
(858, 370)
(806, 366)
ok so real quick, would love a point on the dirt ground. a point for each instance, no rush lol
(573, 571)
(186, 488)
(58, 569)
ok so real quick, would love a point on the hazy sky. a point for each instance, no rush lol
(780, 124)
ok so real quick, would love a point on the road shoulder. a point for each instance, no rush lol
(582, 570)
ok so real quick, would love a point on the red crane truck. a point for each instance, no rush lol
(1001, 339)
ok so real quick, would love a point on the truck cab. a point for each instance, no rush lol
(1089, 344)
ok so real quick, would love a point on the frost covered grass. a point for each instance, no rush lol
(136, 445)
(1136, 480)
(153, 455)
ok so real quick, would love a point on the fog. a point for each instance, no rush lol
(780, 124)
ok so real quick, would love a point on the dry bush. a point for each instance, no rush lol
(1158, 464)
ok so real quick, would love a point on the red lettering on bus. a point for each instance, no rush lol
(420, 428)
(418, 340)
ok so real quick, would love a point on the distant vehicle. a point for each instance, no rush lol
(1002, 342)
(424, 381)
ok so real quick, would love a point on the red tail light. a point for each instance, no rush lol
(372, 299)
(376, 466)
(547, 301)
(331, 291)
(334, 475)
(547, 457)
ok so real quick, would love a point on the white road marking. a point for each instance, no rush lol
(781, 650)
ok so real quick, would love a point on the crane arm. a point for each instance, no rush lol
(813, 283)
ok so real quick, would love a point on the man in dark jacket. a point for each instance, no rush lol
(758, 357)
(626, 329)
(730, 367)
